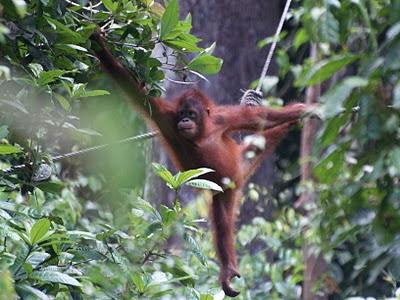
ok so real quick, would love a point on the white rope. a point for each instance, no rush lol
(273, 46)
(143, 136)
(45, 168)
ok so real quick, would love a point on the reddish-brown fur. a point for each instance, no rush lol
(212, 148)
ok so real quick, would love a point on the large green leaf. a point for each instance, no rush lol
(333, 100)
(183, 177)
(170, 18)
(52, 276)
(8, 149)
(39, 230)
(206, 64)
(324, 70)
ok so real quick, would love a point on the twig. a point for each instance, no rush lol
(87, 8)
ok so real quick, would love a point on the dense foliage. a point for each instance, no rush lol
(90, 232)
(357, 216)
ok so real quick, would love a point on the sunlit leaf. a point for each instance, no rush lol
(138, 282)
(94, 93)
(166, 175)
(39, 230)
(110, 5)
(204, 184)
(185, 176)
(170, 18)
(20, 7)
(8, 149)
(206, 64)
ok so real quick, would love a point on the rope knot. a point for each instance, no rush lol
(251, 98)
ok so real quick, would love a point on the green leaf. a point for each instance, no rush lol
(300, 38)
(207, 297)
(64, 34)
(333, 100)
(165, 175)
(49, 76)
(168, 215)
(28, 292)
(20, 7)
(36, 258)
(183, 177)
(195, 249)
(138, 282)
(206, 64)
(76, 47)
(94, 93)
(8, 149)
(204, 184)
(52, 276)
(332, 130)
(36, 69)
(63, 102)
(51, 187)
(329, 28)
(39, 230)
(7, 285)
(324, 70)
(170, 18)
(110, 5)
(182, 45)
(328, 169)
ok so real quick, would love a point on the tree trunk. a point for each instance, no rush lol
(315, 265)
(236, 27)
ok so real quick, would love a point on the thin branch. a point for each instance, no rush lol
(90, 9)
